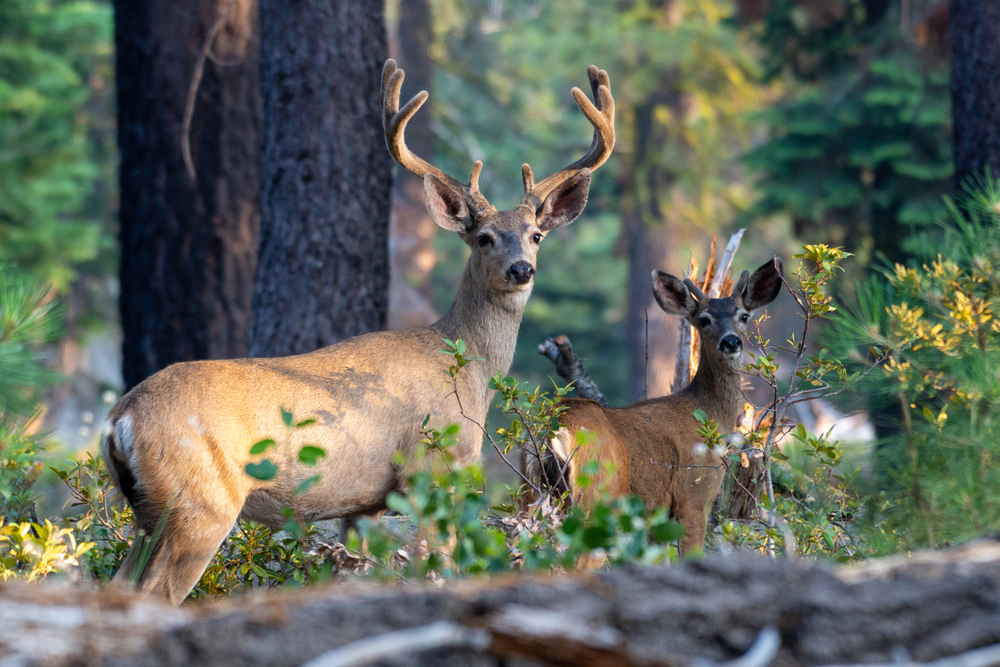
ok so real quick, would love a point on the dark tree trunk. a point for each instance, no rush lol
(974, 35)
(411, 235)
(323, 271)
(188, 247)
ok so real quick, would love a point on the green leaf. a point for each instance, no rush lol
(306, 484)
(700, 416)
(669, 531)
(263, 471)
(305, 422)
(286, 417)
(310, 454)
(398, 504)
(262, 446)
(595, 537)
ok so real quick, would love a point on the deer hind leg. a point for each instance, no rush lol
(170, 564)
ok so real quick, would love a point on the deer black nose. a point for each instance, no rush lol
(521, 272)
(730, 344)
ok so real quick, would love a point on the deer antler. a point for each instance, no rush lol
(394, 122)
(602, 117)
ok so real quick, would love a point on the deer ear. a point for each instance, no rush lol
(763, 286)
(446, 206)
(565, 203)
(673, 295)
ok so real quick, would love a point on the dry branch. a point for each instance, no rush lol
(570, 368)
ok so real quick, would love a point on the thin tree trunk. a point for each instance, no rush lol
(188, 246)
(411, 230)
(323, 271)
(974, 36)
(651, 241)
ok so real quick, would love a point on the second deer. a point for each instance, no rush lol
(650, 445)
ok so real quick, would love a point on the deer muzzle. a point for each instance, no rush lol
(730, 345)
(521, 272)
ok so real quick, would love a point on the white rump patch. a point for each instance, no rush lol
(561, 443)
(125, 436)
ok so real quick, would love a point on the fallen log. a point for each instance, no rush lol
(911, 610)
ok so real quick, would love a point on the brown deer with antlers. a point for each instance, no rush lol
(178, 443)
(651, 445)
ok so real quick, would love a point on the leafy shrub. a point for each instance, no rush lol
(32, 550)
(457, 533)
(29, 548)
(812, 508)
(937, 322)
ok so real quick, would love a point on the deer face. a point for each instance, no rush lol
(721, 323)
(504, 243)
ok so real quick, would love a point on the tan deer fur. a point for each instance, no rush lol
(178, 443)
(650, 447)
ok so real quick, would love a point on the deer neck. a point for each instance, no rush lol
(488, 322)
(716, 389)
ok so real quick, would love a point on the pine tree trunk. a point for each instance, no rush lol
(323, 271)
(188, 246)
(651, 241)
(974, 36)
(411, 234)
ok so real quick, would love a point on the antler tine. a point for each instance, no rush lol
(601, 115)
(394, 122)
(696, 291)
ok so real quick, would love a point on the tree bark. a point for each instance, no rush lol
(651, 242)
(974, 35)
(923, 606)
(323, 271)
(188, 246)
(411, 230)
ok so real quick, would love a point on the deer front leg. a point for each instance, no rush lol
(694, 520)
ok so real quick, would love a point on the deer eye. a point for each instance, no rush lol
(484, 240)
(744, 317)
(704, 321)
(537, 238)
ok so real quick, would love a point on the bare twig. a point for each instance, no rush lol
(495, 445)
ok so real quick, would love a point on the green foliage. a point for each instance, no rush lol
(102, 518)
(56, 133)
(455, 532)
(30, 551)
(810, 503)
(254, 556)
(937, 321)
(860, 144)
(28, 319)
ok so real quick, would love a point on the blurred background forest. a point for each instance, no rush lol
(804, 121)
